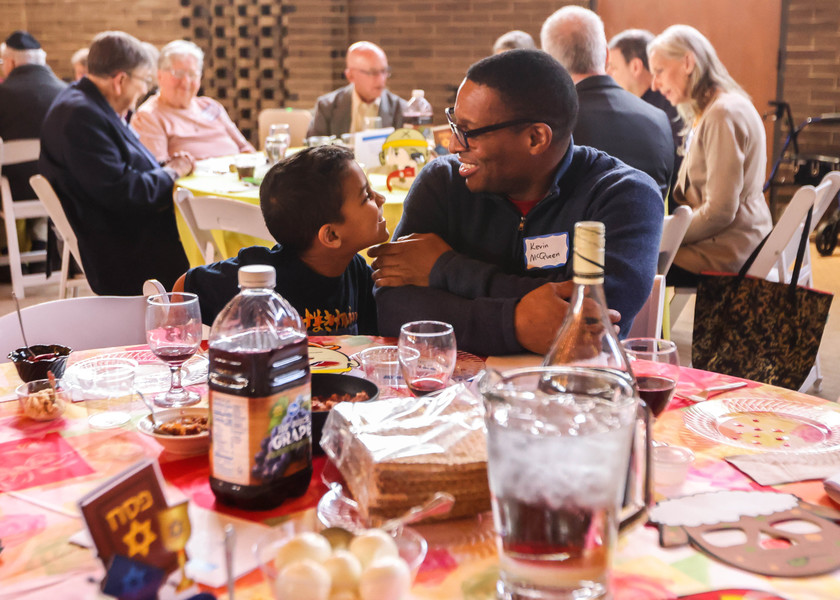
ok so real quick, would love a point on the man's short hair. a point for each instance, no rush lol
(114, 51)
(513, 40)
(632, 43)
(24, 57)
(533, 86)
(80, 57)
(302, 193)
(575, 36)
(180, 48)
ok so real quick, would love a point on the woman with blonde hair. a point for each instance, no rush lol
(722, 173)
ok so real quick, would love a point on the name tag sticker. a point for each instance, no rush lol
(546, 251)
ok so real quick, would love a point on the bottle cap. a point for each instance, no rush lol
(589, 249)
(257, 276)
(419, 93)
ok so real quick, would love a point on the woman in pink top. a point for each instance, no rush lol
(176, 120)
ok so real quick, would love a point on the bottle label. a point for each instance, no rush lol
(255, 440)
(546, 251)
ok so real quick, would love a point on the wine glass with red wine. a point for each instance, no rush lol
(656, 365)
(173, 331)
(427, 355)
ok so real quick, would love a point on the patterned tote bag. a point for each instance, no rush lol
(758, 329)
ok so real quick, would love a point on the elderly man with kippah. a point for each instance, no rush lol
(29, 88)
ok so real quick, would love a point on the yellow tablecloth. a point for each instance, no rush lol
(212, 177)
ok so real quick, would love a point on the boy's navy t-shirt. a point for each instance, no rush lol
(341, 305)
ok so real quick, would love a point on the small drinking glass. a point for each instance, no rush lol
(381, 365)
(656, 365)
(427, 353)
(373, 123)
(277, 143)
(107, 385)
(173, 331)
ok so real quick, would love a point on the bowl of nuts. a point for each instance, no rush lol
(42, 399)
(183, 431)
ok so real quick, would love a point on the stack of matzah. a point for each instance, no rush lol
(395, 454)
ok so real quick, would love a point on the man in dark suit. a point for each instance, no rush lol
(25, 95)
(627, 63)
(117, 198)
(344, 110)
(610, 118)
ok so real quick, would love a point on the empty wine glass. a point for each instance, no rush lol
(656, 365)
(173, 331)
(427, 354)
(278, 141)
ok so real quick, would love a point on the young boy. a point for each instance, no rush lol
(321, 210)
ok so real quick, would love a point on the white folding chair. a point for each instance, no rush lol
(206, 213)
(648, 321)
(11, 153)
(673, 232)
(50, 200)
(80, 323)
(298, 120)
(782, 270)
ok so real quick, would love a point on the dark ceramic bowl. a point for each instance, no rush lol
(327, 384)
(30, 370)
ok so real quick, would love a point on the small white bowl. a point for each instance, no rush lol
(184, 445)
(671, 464)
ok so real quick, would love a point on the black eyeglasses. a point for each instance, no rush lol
(462, 136)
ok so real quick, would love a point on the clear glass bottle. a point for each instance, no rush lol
(587, 338)
(260, 404)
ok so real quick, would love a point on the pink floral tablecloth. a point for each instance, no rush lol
(39, 513)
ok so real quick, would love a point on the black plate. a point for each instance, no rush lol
(327, 384)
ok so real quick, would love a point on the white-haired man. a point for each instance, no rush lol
(344, 110)
(29, 88)
(610, 118)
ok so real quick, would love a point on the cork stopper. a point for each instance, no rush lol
(588, 257)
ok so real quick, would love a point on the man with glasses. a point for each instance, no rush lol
(486, 232)
(116, 196)
(177, 120)
(344, 110)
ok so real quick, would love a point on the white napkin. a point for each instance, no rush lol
(772, 469)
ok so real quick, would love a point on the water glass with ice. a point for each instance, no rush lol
(558, 444)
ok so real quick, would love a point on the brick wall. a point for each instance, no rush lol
(812, 71)
(64, 26)
(266, 53)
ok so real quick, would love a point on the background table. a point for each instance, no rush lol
(212, 177)
(38, 518)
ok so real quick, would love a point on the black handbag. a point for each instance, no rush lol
(758, 329)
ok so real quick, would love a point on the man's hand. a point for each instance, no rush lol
(540, 313)
(182, 163)
(407, 261)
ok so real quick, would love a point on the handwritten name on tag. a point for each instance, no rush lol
(546, 251)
